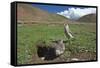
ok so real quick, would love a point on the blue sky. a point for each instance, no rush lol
(70, 12)
(51, 8)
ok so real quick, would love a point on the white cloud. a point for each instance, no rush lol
(75, 13)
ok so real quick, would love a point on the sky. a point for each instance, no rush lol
(71, 12)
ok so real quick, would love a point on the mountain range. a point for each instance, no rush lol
(88, 18)
(27, 13)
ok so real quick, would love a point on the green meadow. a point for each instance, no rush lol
(84, 40)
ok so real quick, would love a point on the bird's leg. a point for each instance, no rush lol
(69, 44)
(69, 41)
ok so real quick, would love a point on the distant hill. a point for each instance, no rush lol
(26, 13)
(91, 18)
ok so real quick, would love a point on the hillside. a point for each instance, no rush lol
(91, 18)
(26, 13)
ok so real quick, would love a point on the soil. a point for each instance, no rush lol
(83, 56)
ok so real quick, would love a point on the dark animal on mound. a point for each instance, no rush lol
(55, 49)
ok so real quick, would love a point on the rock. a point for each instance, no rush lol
(75, 59)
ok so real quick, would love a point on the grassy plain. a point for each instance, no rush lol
(83, 46)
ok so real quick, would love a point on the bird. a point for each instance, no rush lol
(55, 49)
(59, 47)
(68, 32)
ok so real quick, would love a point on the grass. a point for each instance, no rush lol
(28, 35)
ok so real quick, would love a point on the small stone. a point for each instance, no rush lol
(74, 59)
(42, 58)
